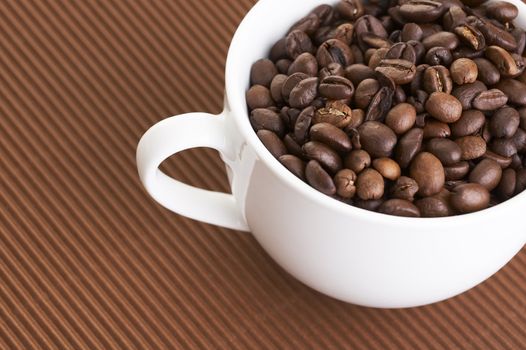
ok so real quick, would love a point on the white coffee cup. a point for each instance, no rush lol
(348, 253)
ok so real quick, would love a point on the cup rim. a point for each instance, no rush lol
(239, 112)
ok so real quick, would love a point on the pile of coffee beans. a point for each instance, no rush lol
(404, 107)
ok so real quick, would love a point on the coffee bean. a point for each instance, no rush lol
(419, 49)
(399, 95)
(380, 104)
(504, 122)
(487, 72)
(318, 178)
(489, 100)
(467, 92)
(437, 79)
(421, 11)
(428, 172)
(401, 51)
(302, 125)
(447, 40)
(404, 188)
(275, 87)
(262, 72)
(294, 164)
(438, 56)
(344, 32)
(472, 147)
(496, 36)
(503, 162)
(332, 136)
(357, 73)
(265, 119)
(345, 181)
(365, 92)
(444, 107)
(290, 83)
(357, 160)
(436, 129)
(370, 184)
(304, 63)
(358, 117)
(486, 173)
(502, 11)
(515, 90)
(454, 17)
(401, 118)
(375, 56)
(325, 13)
(304, 93)
(336, 88)
(368, 24)
(272, 142)
(469, 123)
(400, 71)
(432, 207)
(520, 37)
(350, 9)
(508, 182)
(399, 207)
(331, 69)
(522, 115)
(278, 50)
(377, 139)
(308, 24)
(259, 96)
(375, 41)
(456, 171)
(467, 198)
(471, 36)
(283, 65)
(408, 146)
(447, 151)
(334, 51)
(323, 154)
(411, 31)
(336, 113)
(464, 71)
(519, 139)
(520, 184)
(292, 145)
(387, 167)
(298, 42)
(503, 147)
(503, 60)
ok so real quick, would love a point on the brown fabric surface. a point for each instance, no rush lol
(89, 261)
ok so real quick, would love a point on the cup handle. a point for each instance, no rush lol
(176, 134)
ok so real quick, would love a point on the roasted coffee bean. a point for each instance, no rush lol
(447, 151)
(399, 95)
(350, 9)
(377, 139)
(292, 145)
(419, 49)
(454, 17)
(401, 118)
(298, 42)
(504, 147)
(421, 11)
(334, 51)
(428, 172)
(472, 147)
(304, 63)
(336, 113)
(467, 92)
(438, 56)
(399, 207)
(520, 181)
(304, 93)
(456, 171)
(259, 96)
(504, 122)
(520, 36)
(276, 86)
(357, 73)
(437, 79)
(432, 207)
(504, 61)
(294, 164)
(418, 100)
(411, 31)
(265, 119)
(308, 24)
(290, 83)
(388, 168)
(365, 91)
(332, 136)
(289, 116)
(486, 173)
(418, 81)
(467, 198)
(380, 104)
(487, 72)
(404, 188)
(519, 139)
(331, 69)
(496, 36)
(283, 65)
(489, 100)
(444, 107)
(358, 117)
(344, 32)
(515, 90)
(323, 154)
(464, 71)
(370, 185)
(471, 36)
(447, 40)
(502, 11)
(345, 181)
(503, 162)
(262, 72)
(318, 178)
(325, 13)
(408, 146)
(401, 51)
(399, 70)
(522, 115)
(368, 24)
(278, 50)
(469, 123)
(375, 41)
(508, 182)
(516, 162)
(336, 88)
(272, 142)
(435, 129)
(302, 125)
(376, 56)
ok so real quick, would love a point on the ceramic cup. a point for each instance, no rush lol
(348, 253)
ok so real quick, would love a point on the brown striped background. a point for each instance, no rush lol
(89, 261)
